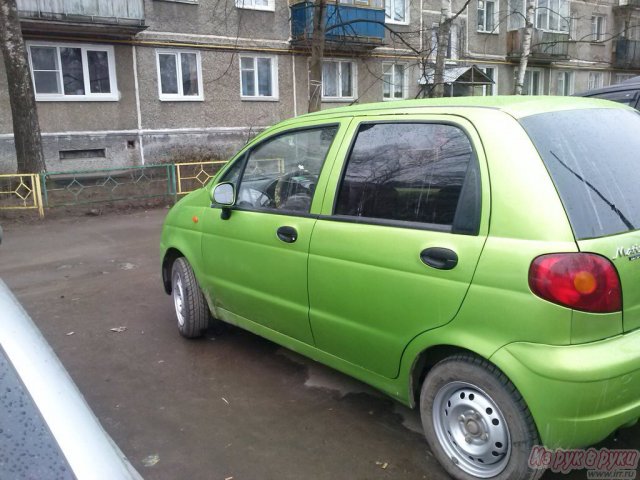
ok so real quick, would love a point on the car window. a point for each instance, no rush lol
(282, 172)
(626, 97)
(232, 175)
(592, 157)
(412, 172)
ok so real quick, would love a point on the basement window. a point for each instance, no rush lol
(78, 154)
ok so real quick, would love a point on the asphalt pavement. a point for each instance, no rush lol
(230, 406)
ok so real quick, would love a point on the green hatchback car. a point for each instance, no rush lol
(471, 257)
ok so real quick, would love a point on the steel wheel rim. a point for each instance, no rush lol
(471, 429)
(178, 298)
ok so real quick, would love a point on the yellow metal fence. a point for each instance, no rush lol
(194, 175)
(21, 191)
(36, 191)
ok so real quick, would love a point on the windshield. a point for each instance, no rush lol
(592, 156)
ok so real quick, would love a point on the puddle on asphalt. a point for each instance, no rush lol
(319, 376)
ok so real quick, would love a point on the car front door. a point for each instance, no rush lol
(255, 259)
(396, 246)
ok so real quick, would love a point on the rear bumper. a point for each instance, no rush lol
(577, 394)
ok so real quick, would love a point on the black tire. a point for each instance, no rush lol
(482, 427)
(192, 311)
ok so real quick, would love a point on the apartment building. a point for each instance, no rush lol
(130, 82)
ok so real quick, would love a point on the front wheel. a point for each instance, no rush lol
(476, 422)
(192, 311)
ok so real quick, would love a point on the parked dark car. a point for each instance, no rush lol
(627, 92)
(47, 430)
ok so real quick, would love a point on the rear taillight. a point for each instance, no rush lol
(582, 281)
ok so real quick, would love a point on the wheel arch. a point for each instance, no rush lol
(425, 361)
(170, 256)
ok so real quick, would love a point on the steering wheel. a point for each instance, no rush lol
(280, 194)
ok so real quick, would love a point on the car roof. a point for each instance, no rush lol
(630, 84)
(518, 106)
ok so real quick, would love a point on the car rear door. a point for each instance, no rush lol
(402, 227)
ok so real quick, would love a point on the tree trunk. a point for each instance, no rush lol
(317, 54)
(444, 29)
(26, 129)
(526, 46)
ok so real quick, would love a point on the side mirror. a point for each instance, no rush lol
(223, 194)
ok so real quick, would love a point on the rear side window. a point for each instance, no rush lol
(592, 157)
(418, 173)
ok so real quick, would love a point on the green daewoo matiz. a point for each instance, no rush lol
(477, 258)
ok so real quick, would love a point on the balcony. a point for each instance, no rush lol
(349, 25)
(545, 46)
(112, 18)
(625, 5)
(627, 54)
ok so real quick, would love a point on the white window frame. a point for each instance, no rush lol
(540, 82)
(518, 8)
(596, 80)
(274, 78)
(564, 74)
(598, 34)
(391, 3)
(113, 96)
(405, 82)
(179, 97)
(494, 87)
(621, 77)
(251, 5)
(563, 15)
(354, 80)
(496, 16)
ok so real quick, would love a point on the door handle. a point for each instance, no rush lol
(287, 234)
(440, 258)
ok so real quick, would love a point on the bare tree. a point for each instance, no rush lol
(317, 54)
(444, 31)
(526, 46)
(26, 128)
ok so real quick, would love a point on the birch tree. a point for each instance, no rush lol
(526, 46)
(317, 54)
(26, 128)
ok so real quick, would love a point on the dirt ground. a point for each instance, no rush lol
(232, 406)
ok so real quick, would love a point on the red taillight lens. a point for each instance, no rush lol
(583, 281)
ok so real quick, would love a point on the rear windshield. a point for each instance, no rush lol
(593, 157)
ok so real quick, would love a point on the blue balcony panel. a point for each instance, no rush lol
(345, 24)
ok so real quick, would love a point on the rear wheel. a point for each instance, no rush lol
(476, 422)
(192, 311)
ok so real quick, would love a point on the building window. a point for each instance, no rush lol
(257, 4)
(550, 15)
(179, 75)
(564, 83)
(553, 15)
(488, 90)
(72, 71)
(338, 80)
(596, 80)
(598, 28)
(623, 77)
(396, 11)
(532, 82)
(259, 78)
(394, 81)
(452, 47)
(487, 15)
